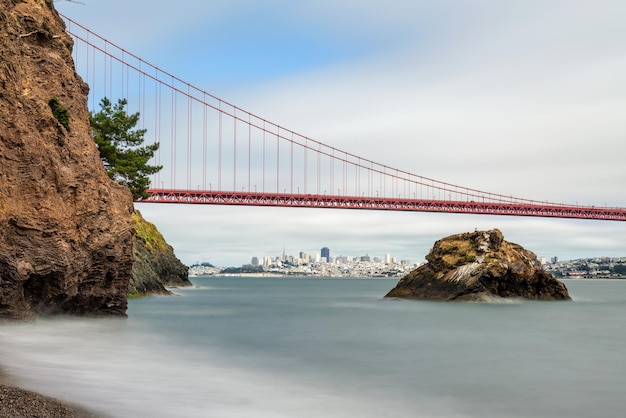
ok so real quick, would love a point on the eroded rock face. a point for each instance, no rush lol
(479, 266)
(66, 231)
(156, 266)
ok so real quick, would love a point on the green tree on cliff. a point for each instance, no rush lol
(120, 146)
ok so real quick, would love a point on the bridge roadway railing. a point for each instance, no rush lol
(383, 203)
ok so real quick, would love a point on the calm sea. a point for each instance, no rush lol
(267, 347)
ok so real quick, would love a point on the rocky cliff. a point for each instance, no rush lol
(479, 266)
(155, 265)
(66, 232)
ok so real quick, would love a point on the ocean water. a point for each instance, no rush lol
(268, 347)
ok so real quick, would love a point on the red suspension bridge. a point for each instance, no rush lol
(213, 152)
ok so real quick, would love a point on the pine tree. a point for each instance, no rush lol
(120, 146)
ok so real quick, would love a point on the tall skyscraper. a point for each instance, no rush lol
(325, 253)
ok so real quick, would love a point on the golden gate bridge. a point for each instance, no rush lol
(214, 152)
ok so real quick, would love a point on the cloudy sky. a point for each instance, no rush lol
(517, 98)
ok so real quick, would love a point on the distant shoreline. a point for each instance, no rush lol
(293, 276)
(590, 278)
(243, 275)
(290, 276)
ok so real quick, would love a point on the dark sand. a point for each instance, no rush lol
(18, 403)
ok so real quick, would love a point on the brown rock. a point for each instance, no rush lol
(65, 228)
(479, 266)
(156, 266)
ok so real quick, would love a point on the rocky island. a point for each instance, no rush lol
(479, 266)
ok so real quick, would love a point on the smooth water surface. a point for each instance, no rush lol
(269, 347)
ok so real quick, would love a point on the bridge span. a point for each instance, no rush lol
(230, 153)
(383, 203)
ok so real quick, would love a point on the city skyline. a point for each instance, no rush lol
(313, 257)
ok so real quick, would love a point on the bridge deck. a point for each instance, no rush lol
(382, 203)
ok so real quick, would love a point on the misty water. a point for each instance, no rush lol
(267, 347)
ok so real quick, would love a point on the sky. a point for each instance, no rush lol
(517, 98)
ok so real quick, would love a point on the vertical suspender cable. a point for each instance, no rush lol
(345, 174)
(406, 195)
(111, 79)
(173, 133)
(189, 135)
(204, 141)
(157, 136)
(93, 80)
(234, 149)
(249, 149)
(76, 49)
(385, 179)
(104, 72)
(433, 190)
(264, 131)
(319, 168)
(306, 146)
(370, 180)
(219, 148)
(122, 81)
(86, 60)
(141, 82)
(128, 82)
(332, 172)
(277, 159)
(69, 29)
(396, 180)
(357, 184)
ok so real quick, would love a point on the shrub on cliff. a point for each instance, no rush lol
(60, 113)
(119, 143)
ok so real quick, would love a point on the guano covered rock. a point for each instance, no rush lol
(479, 266)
